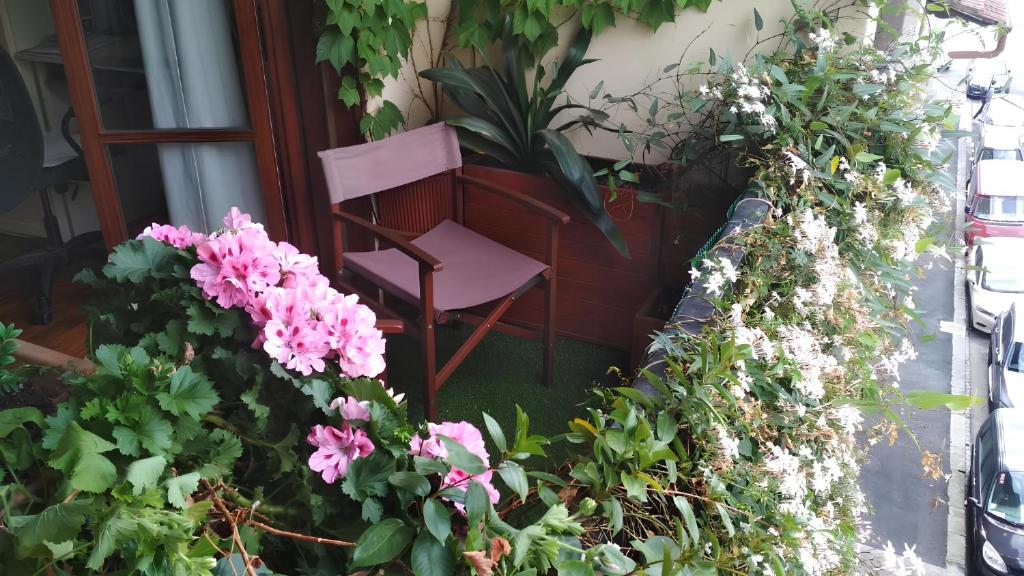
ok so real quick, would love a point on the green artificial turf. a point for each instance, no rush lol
(504, 371)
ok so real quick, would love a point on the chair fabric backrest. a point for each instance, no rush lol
(21, 137)
(355, 171)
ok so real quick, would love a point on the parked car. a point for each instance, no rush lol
(1000, 110)
(999, 143)
(995, 200)
(984, 74)
(1006, 362)
(995, 279)
(995, 519)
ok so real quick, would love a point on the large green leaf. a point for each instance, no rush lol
(473, 141)
(80, 456)
(483, 85)
(573, 60)
(574, 168)
(144, 473)
(435, 516)
(58, 523)
(487, 130)
(381, 543)
(134, 260)
(18, 417)
(461, 458)
(191, 393)
(431, 558)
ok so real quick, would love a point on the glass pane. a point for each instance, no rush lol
(185, 184)
(165, 64)
(49, 228)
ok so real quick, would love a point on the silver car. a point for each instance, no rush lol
(1006, 362)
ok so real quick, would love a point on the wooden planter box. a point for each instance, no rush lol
(652, 317)
(599, 291)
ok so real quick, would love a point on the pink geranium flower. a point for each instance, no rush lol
(352, 409)
(296, 268)
(336, 450)
(237, 220)
(352, 330)
(470, 438)
(235, 267)
(297, 346)
(180, 237)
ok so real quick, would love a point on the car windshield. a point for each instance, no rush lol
(994, 154)
(999, 208)
(1003, 112)
(1004, 497)
(1015, 360)
(1009, 279)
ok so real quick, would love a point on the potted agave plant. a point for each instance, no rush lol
(608, 259)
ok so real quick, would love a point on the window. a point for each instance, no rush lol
(1015, 359)
(1003, 279)
(996, 154)
(1003, 499)
(999, 208)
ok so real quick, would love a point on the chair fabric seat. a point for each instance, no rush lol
(476, 269)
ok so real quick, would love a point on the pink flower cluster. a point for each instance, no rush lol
(470, 438)
(337, 449)
(303, 321)
(180, 237)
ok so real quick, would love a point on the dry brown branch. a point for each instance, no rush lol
(234, 527)
(297, 536)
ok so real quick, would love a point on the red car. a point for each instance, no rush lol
(995, 201)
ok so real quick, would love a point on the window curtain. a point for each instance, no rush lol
(193, 82)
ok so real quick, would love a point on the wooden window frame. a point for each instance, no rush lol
(96, 139)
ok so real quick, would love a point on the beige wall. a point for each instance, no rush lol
(629, 54)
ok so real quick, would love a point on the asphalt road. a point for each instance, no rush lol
(905, 507)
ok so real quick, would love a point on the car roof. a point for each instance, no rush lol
(1000, 177)
(1000, 137)
(1000, 248)
(1010, 429)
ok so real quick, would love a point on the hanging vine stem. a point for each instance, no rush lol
(247, 561)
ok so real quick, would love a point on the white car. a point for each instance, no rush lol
(995, 279)
(999, 143)
(1002, 110)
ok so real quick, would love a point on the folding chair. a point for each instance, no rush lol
(425, 256)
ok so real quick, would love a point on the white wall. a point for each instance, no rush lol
(630, 55)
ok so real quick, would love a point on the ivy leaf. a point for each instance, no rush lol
(80, 456)
(347, 91)
(181, 487)
(57, 523)
(144, 473)
(134, 260)
(190, 393)
(335, 47)
(381, 543)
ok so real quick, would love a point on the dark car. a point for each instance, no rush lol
(987, 74)
(995, 520)
(1006, 362)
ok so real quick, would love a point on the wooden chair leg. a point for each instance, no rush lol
(430, 369)
(549, 330)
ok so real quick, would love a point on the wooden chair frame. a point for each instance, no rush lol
(428, 265)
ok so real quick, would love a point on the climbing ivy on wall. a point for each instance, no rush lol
(480, 22)
(367, 40)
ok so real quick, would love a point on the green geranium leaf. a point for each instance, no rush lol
(80, 456)
(143, 474)
(190, 393)
(134, 260)
(17, 418)
(58, 523)
(181, 487)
